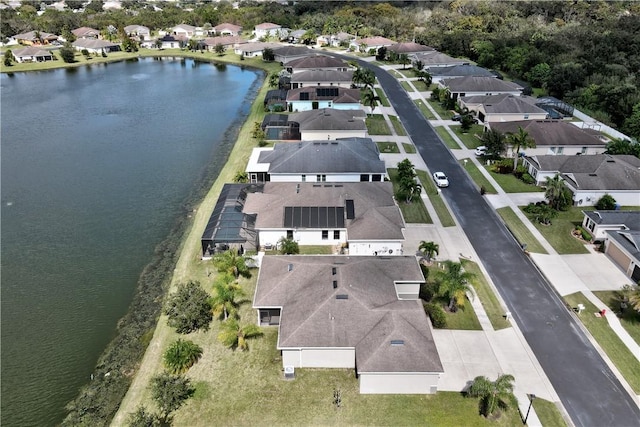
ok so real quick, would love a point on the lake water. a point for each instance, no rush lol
(97, 163)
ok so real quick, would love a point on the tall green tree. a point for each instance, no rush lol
(170, 392)
(226, 293)
(288, 246)
(181, 355)
(429, 249)
(188, 308)
(268, 55)
(143, 418)
(519, 140)
(8, 58)
(234, 335)
(557, 193)
(493, 394)
(495, 142)
(453, 283)
(370, 99)
(232, 262)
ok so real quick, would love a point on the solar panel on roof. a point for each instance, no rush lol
(313, 217)
(351, 210)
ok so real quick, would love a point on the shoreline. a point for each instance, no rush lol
(168, 266)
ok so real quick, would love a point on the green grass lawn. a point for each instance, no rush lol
(384, 101)
(408, 73)
(415, 212)
(446, 137)
(409, 148)
(388, 147)
(426, 112)
(436, 199)
(558, 234)
(630, 319)
(599, 328)
(397, 125)
(376, 125)
(444, 114)
(470, 139)
(464, 318)
(487, 297)
(477, 176)
(520, 231)
(510, 184)
(421, 86)
(548, 413)
(407, 86)
(396, 74)
(316, 249)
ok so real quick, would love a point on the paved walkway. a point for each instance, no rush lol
(466, 354)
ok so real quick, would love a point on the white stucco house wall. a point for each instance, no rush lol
(601, 222)
(360, 313)
(267, 29)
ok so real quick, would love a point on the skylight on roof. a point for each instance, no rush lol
(396, 343)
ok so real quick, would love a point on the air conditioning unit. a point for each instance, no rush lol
(289, 372)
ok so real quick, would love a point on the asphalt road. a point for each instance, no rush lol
(590, 392)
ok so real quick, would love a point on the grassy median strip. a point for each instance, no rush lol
(409, 148)
(558, 233)
(415, 212)
(407, 86)
(384, 101)
(470, 138)
(444, 114)
(548, 413)
(377, 125)
(520, 231)
(477, 176)
(629, 318)
(426, 112)
(612, 345)
(397, 125)
(446, 137)
(510, 184)
(487, 296)
(436, 199)
(388, 147)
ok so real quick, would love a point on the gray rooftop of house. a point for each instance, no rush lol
(461, 70)
(554, 133)
(409, 47)
(377, 216)
(329, 119)
(316, 61)
(292, 51)
(257, 46)
(350, 155)
(435, 58)
(93, 43)
(630, 240)
(32, 51)
(368, 319)
(479, 84)
(322, 76)
(505, 103)
(631, 219)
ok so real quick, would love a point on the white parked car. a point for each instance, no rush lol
(441, 179)
(481, 150)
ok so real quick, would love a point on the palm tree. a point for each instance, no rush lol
(453, 283)
(181, 355)
(429, 249)
(225, 302)
(233, 335)
(232, 262)
(518, 140)
(370, 99)
(368, 78)
(556, 192)
(493, 394)
(403, 58)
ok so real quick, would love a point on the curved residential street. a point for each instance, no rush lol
(588, 389)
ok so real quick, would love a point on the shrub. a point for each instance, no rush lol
(428, 290)
(503, 166)
(584, 233)
(527, 179)
(520, 171)
(288, 246)
(437, 315)
(606, 202)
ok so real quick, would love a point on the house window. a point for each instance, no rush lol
(376, 178)
(526, 116)
(321, 178)
(325, 234)
(584, 150)
(304, 178)
(364, 178)
(336, 234)
(560, 150)
(290, 234)
(552, 150)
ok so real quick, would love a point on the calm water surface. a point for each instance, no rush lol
(96, 165)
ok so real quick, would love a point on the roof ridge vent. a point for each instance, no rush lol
(289, 267)
(342, 296)
(397, 343)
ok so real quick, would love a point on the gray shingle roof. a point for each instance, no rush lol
(367, 320)
(322, 76)
(435, 58)
(479, 84)
(317, 61)
(377, 217)
(552, 133)
(292, 51)
(630, 240)
(505, 103)
(330, 119)
(345, 95)
(409, 47)
(31, 51)
(629, 218)
(93, 44)
(351, 155)
(461, 70)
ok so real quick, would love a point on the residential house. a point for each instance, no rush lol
(296, 36)
(600, 222)
(95, 46)
(457, 71)
(316, 63)
(434, 59)
(323, 124)
(371, 43)
(32, 54)
(284, 54)
(503, 107)
(313, 98)
(252, 50)
(409, 48)
(340, 39)
(322, 78)
(86, 33)
(140, 32)
(360, 313)
(268, 29)
(623, 247)
(552, 137)
(226, 29)
(35, 38)
(227, 42)
(170, 42)
(473, 86)
(362, 216)
(184, 31)
(340, 160)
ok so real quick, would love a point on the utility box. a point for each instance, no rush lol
(289, 372)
